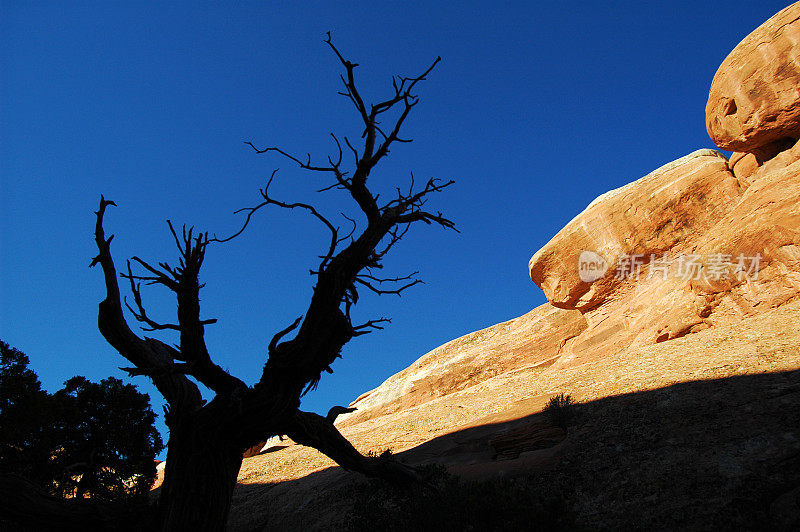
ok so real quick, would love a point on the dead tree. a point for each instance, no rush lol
(206, 439)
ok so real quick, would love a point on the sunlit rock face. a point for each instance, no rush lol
(754, 99)
(533, 340)
(654, 214)
(699, 243)
(687, 247)
(739, 218)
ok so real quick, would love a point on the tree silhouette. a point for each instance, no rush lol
(86, 440)
(26, 416)
(110, 441)
(207, 439)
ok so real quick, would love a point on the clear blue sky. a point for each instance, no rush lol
(536, 109)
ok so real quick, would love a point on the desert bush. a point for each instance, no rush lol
(386, 453)
(560, 409)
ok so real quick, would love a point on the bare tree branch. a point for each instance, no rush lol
(270, 201)
(183, 281)
(381, 291)
(192, 343)
(313, 430)
(275, 339)
(170, 281)
(350, 86)
(326, 327)
(143, 353)
(142, 314)
(368, 327)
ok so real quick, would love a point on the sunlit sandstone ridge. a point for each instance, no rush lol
(709, 356)
(694, 207)
(701, 205)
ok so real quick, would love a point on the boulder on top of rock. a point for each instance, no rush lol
(654, 214)
(754, 99)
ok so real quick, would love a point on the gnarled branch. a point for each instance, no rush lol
(326, 326)
(275, 339)
(141, 315)
(334, 241)
(143, 353)
(313, 430)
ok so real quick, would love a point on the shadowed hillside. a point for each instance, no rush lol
(699, 432)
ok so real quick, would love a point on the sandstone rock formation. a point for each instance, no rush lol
(755, 93)
(689, 246)
(534, 340)
(654, 214)
(700, 242)
(662, 238)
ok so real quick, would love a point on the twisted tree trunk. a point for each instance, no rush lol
(199, 480)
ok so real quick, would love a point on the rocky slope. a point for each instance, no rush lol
(700, 242)
(670, 434)
(672, 319)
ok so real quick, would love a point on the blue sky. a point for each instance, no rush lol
(535, 109)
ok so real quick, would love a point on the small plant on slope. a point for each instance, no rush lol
(560, 410)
